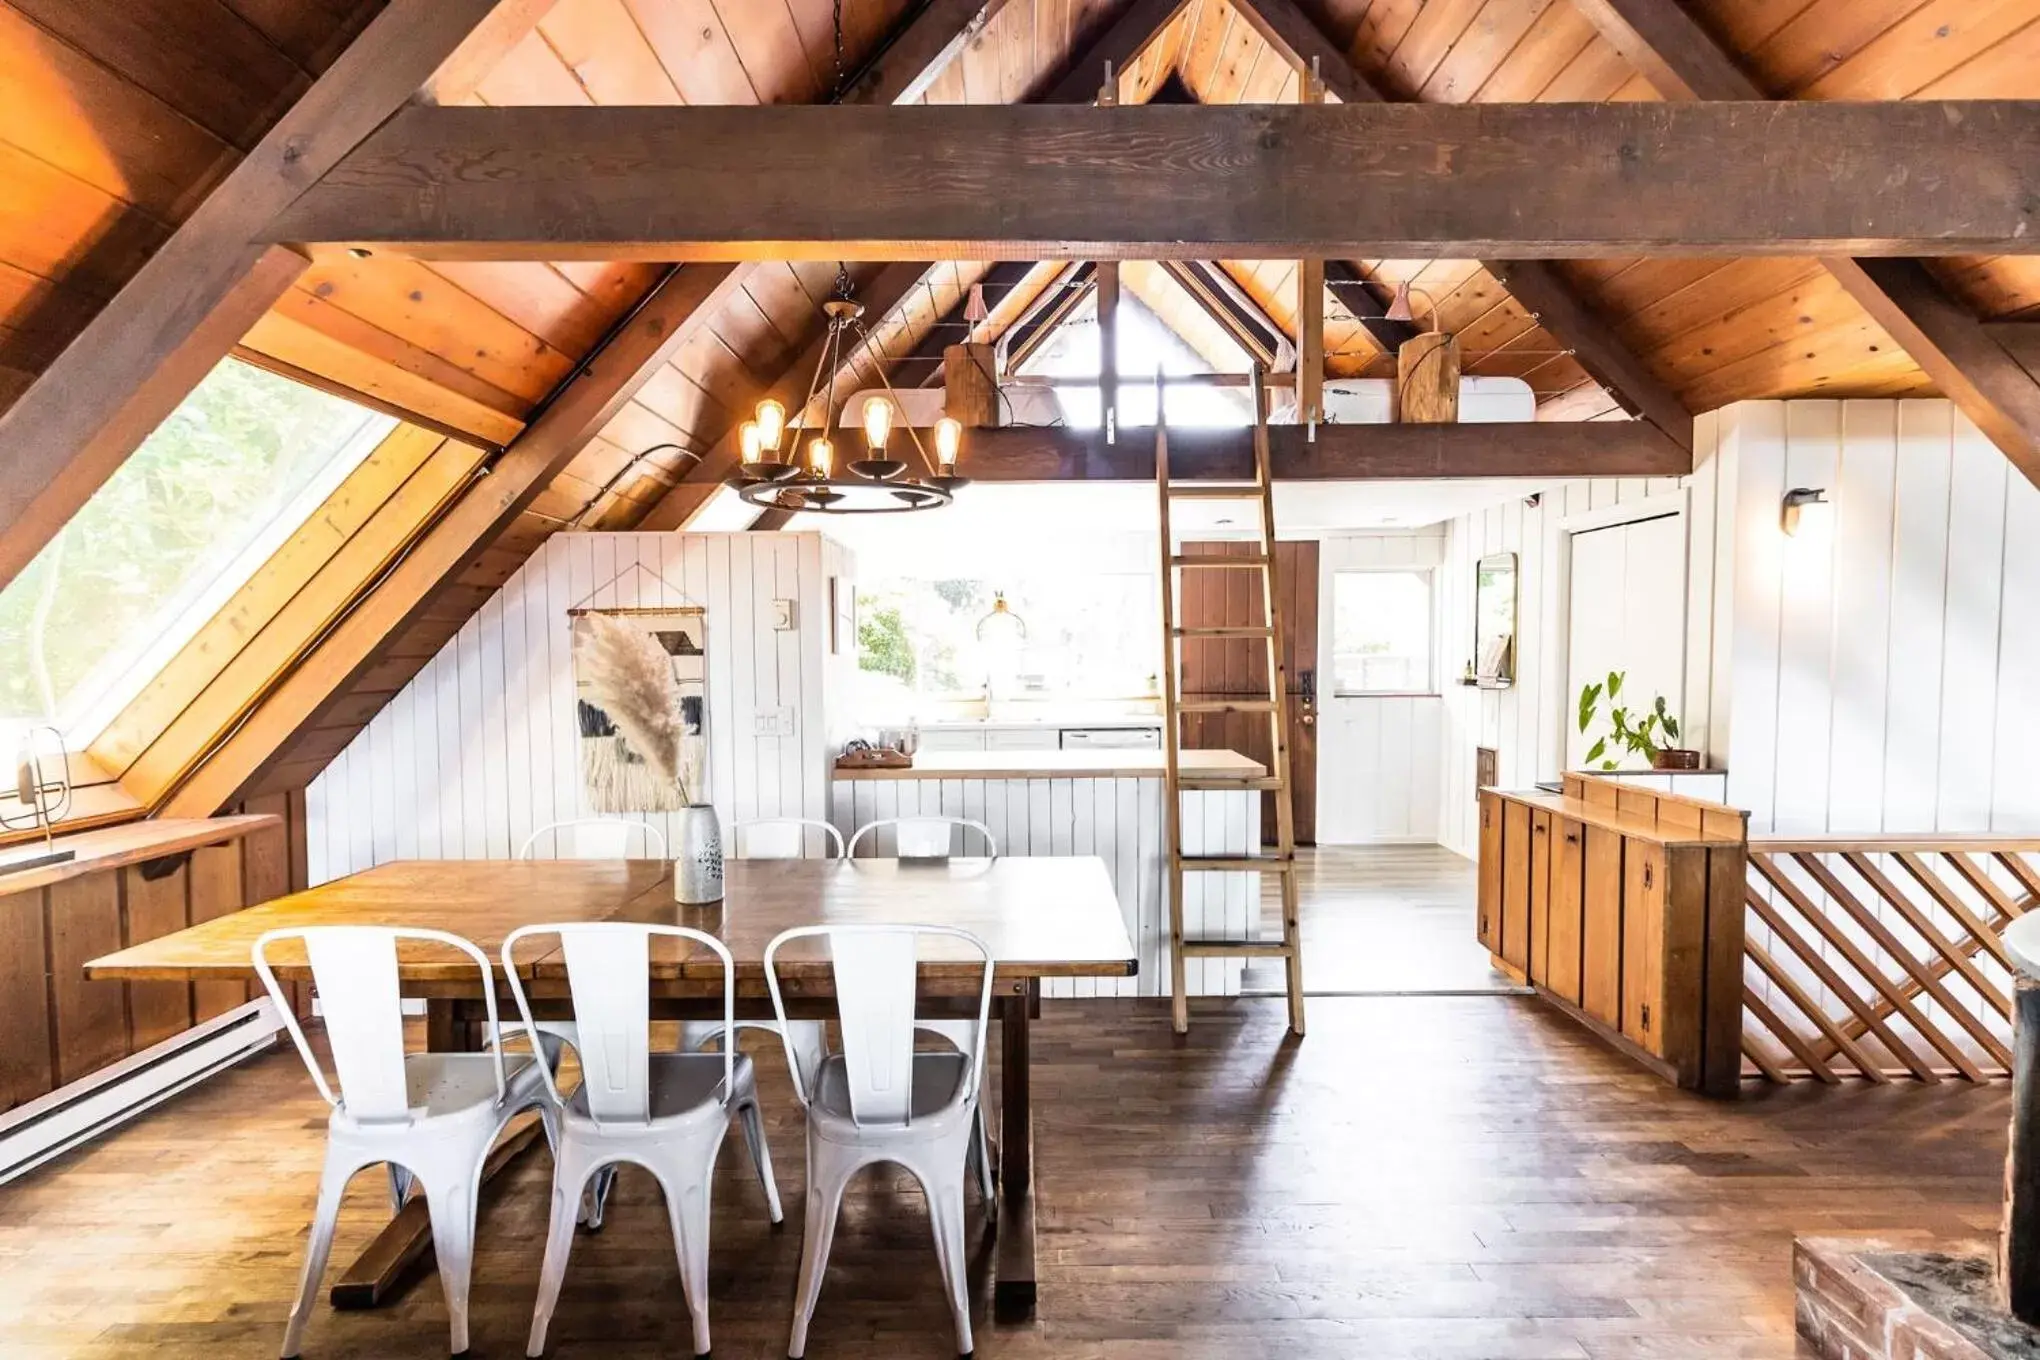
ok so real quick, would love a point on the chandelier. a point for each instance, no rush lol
(776, 470)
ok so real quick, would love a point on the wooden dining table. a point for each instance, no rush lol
(1041, 918)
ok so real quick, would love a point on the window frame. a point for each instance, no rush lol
(1429, 689)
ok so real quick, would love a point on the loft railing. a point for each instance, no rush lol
(1878, 957)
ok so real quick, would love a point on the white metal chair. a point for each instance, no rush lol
(881, 1101)
(596, 838)
(665, 1112)
(433, 1114)
(925, 837)
(782, 838)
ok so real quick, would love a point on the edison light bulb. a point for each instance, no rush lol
(948, 440)
(750, 438)
(771, 423)
(820, 454)
(878, 415)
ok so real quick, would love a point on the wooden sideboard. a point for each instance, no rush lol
(1623, 907)
(128, 884)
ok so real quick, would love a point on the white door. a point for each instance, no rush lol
(1627, 612)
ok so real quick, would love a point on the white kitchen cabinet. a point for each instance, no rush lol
(952, 739)
(1023, 738)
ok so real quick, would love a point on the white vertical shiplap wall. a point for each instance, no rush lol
(1378, 755)
(1884, 673)
(1118, 820)
(479, 749)
(1523, 722)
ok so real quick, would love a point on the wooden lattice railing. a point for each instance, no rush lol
(1879, 957)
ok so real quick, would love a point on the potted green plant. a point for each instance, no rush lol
(1654, 736)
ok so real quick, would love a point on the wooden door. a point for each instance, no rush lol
(1220, 668)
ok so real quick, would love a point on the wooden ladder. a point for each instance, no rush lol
(1283, 861)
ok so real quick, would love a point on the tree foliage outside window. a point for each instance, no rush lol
(1381, 632)
(211, 483)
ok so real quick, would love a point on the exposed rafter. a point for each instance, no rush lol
(1543, 292)
(1130, 34)
(1677, 54)
(1507, 181)
(912, 61)
(1238, 315)
(184, 310)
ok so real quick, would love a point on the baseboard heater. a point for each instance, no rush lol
(52, 1125)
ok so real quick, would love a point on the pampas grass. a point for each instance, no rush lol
(628, 676)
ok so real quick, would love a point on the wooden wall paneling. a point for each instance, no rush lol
(216, 889)
(1644, 935)
(1516, 886)
(1541, 856)
(1564, 966)
(1680, 1021)
(1489, 919)
(1601, 926)
(26, 1068)
(191, 301)
(155, 907)
(88, 1020)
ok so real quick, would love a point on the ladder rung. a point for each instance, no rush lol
(1226, 706)
(1239, 631)
(1240, 949)
(1271, 864)
(1257, 562)
(1226, 785)
(1202, 492)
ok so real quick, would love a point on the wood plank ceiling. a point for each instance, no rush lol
(123, 113)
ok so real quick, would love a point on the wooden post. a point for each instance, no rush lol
(970, 393)
(1427, 380)
(1310, 341)
(2018, 1271)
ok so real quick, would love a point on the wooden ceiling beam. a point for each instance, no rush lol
(1538, 286)
(905, 67)
(1506, 181)
(1600, 448)
(1684, 62)
(1132, 31)
(652, 334)
(189, 304)
(1230, 309)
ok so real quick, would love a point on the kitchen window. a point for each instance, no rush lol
(1381, 632)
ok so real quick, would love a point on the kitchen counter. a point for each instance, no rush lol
(1094, 764)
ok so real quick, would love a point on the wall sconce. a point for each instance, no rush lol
(1805, 508)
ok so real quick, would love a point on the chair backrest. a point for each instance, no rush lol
(874, 970)
(608, 976)
(924, 837)
(782, 838)
(354, 971)
(595, 838)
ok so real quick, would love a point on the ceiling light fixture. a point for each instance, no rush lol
(777, 472)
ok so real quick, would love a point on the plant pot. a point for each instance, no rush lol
(697, 857)
(1676, 758)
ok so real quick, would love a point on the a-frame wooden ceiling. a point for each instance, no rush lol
(125, 113)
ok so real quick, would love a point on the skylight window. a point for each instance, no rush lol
(1145, 345)
(159, 548)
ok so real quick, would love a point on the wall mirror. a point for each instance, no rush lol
(1494, 620)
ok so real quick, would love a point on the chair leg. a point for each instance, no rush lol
(450, 1197)
(753, 1122)
(332, 1188)
(827, 1175)
(687, 1206)
(945, 1216)
(981, 1163)
(597, 1202)
(570, 1178)
(400, 1187)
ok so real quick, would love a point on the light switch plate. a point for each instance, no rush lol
(772, 722)
(782, 615)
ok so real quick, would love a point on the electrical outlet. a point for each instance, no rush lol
(782, 615)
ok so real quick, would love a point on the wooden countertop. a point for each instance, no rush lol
(1088, 764)
(130, 843)
(1611, 819)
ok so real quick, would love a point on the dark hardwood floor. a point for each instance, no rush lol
(1422, 1177)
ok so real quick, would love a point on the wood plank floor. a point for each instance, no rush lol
(1423, 1177)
